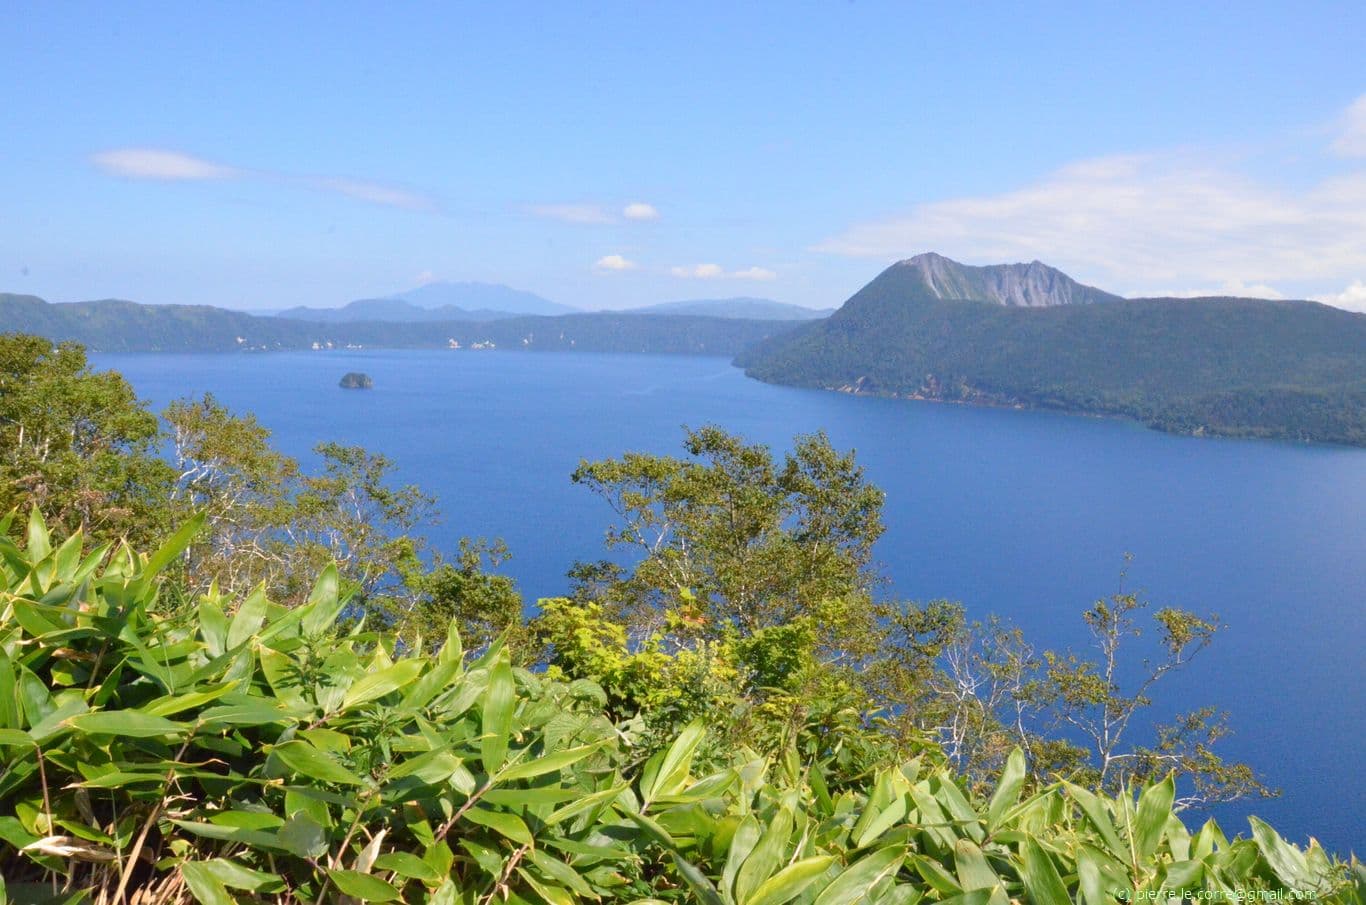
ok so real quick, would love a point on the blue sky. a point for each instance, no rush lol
(606, 155)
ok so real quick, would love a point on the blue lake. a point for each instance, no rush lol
(1023, 514)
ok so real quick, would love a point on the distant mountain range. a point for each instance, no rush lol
(440, 301)
(741, 307)
(120, 326)
(1029, 335)
(488, 302)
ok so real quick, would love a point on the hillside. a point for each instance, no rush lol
(741, 307)
(1226, 366)
(121, 326)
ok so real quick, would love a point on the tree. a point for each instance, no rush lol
(269, 521)
(753, 542)
(77, 444)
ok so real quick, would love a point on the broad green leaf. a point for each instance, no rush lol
(1007, 790)
(791, 881)
(499, 704)
(697, 880)
(324, 603)
(366, 887)
(854, 881)
(1285, 860)
(246, 622)
(501, 822)
(406, 864)
(175, 545)
(768, 855)
(204, 886)
(1094, 809)
(306, 760)
(672, 770)
(239, 876)
(586, 803)
(1154, 807)
(548, 763)
(972, 868)
(38, 545)
(302, 835)
(742, 843)
(173, 704)
(378, 684)
(1041, 879)
(125, 722)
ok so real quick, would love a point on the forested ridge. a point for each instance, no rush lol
(1223, 366)
(224, 677)
(121, 326)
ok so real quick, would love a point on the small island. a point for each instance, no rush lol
(355, 380)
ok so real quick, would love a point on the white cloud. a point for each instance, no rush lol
(154, 163)
(425, 277)
(1353, 298)
(173, 166)
(1136, 224)
(374, 193)
(1351, 140)
(613, 264)
(717, 272)
(639, 210)
(573, 213)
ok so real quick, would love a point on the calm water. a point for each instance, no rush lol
(1022, 514)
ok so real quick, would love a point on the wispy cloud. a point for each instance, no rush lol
(573, 213)
(376, 193)
(1351, 139)
(1143, 224)
(613, 264)
(157, 164)
(717, 272)
(639, 210)
(587, 214)
(160, 165)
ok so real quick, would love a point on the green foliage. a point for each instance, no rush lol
(1236, 367)
(258, 753)
(77, 443)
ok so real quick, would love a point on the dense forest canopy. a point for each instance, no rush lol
(223, 677)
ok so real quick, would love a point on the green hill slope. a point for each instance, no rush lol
(1235, 367)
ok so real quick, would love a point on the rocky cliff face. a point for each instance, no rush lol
(1033, 285)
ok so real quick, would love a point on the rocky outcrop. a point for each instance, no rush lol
(355, 380)
(1032, 285)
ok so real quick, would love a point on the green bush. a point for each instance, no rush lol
(249, 752)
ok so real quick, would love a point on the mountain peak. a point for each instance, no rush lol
(1032, 285)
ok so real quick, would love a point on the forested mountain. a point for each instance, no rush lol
(120, 326)
(928, 328)
(741, 307)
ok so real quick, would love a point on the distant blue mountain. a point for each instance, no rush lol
(741, 308)
(435, 302)
(393, 311)
(482, 296)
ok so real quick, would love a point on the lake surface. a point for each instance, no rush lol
(1027, 515)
